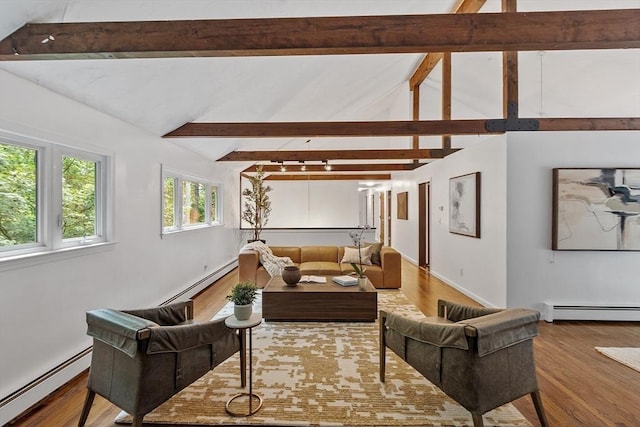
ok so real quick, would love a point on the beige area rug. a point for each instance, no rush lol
(323, 374)
(629, 356)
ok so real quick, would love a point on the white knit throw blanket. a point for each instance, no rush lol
(273, 264)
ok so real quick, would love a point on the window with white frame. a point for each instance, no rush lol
(188, 202)
(51, 197)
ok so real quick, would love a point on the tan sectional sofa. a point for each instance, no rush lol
(322, 260)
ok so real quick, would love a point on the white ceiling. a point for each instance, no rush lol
(159, 95)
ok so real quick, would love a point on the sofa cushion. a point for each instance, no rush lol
(319, 253)
(375, 252)
(292, 252)
(320, 268)
(353, 255)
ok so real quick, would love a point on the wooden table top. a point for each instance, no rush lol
(276, 284)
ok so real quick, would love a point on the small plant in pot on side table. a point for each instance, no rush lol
(243, 295)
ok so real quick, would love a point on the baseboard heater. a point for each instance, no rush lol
(591, 312)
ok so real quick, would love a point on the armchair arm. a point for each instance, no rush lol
(171, 339)
(118, 329)
(502, 329)
(457, 312)
(170, 314)
(432, 330)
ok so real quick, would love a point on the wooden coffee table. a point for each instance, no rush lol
(318, 302)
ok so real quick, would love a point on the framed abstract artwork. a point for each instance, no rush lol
(464, 205)
(403, 209)
(596, 209)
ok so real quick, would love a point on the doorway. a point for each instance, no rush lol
(424, 203)
(385, 218)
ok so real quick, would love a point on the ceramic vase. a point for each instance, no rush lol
(243, 312)
(362, 283)
(291, 275)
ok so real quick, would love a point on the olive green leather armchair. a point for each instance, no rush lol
(143, 357)
(482, 358)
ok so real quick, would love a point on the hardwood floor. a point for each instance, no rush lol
(579, 386)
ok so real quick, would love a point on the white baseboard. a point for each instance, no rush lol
(463, 290)
(453, 284)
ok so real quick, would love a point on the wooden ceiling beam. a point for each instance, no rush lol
(580, 124)
(321, 155)
(330, 177)
(328, 129)
(510, 99)
(340, 167)
(446, 96)
(466, 32)
(424, 69)
(433, 58)
(393, 128)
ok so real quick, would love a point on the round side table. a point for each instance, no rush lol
(243, 325)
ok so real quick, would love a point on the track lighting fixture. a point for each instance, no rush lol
(283, 168)
(303, 167)
(327, 166)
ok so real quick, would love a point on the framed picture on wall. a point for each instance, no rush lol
(464, 205)
(402, 205)
(596, 209)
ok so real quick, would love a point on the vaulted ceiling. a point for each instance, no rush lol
(161, 94)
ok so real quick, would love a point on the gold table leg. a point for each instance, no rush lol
(251, 394)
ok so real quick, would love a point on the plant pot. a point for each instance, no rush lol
(243, 312)
(291, 275)
(362, 283)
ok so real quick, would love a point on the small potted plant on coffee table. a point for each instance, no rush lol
(243, 295)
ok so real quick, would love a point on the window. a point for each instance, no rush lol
(51, 197)
(168, 206)
(18, 196)
(78, 198)
(194, 199)
(188, 202)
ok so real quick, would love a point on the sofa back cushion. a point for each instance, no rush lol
(319, 253)
(292, 252)
(376, 247)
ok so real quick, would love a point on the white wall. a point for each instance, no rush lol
(536, 274)
(323, 237)
(512, 264)
(43, 304)
(314, 204)
(313, 213)
(477, 267)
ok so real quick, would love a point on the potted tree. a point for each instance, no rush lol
(257, 205)
(243, 295)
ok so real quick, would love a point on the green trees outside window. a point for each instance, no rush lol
(78, 198)
(213, 208)
(168, 196)
(18, 195)
(193, 202)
